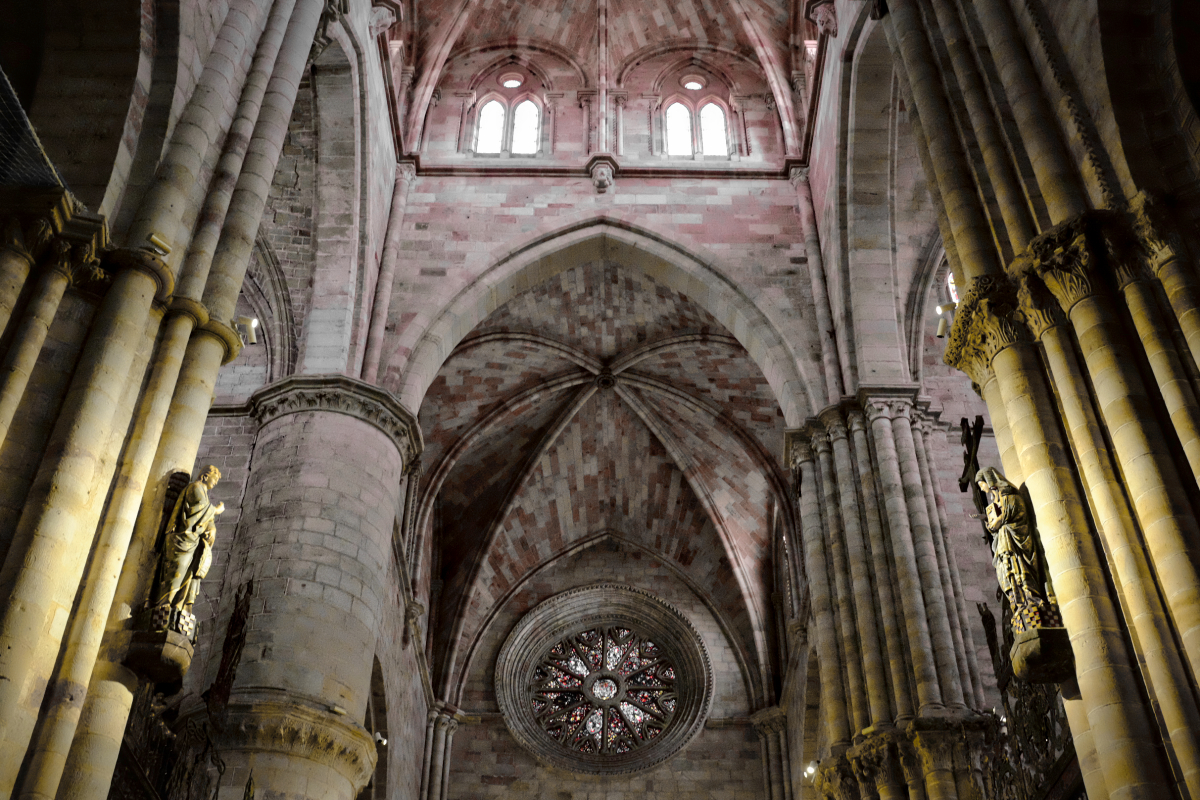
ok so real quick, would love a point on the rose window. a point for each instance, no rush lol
(604, 690)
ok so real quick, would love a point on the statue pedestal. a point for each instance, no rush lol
(159, 656)
(1043, 655)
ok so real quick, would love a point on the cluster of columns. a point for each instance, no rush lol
(133, 414)
(441, 723)
(1080, 336)
(893, 641)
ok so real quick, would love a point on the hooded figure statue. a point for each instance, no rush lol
(1014, 549)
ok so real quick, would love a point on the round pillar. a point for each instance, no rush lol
(316, 539)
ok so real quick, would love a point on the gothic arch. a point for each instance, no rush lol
(549, 254)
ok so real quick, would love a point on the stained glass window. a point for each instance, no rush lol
(950, 287)
(604, 690)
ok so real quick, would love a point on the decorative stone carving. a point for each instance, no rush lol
(835, 780)
(984, 325)
(1157, 236)
(296, 729)
(769, 721)
(602, 169)
(186, 555)
(1038, 306)
(823, 13)
(1015, 553)
(382, 18)
(875, 761)
(603, 606)
(341, 395)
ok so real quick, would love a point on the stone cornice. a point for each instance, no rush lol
(338, 394)
(298, 729)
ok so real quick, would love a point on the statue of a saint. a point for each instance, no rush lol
(1015, 553)
(187, 546)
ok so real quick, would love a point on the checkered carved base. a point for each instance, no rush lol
(165, 618)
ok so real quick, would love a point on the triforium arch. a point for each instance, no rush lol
(718, 399)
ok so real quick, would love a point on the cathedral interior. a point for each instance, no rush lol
(590, 400)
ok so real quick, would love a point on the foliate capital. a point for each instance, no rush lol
(876, 760)
(1157, 235)
(835, 427)
(798, 175)
(1039, 308)
(796, 449)
(820, 442)
(984, 325)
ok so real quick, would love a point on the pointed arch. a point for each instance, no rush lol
(430, 342)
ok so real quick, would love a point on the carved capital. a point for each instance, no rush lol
(406, 171)
(338, 394)
(1157, 234)
(836, 780)
(831, 418)
(856, 420)
(820, 443)
(296, 728)
(798, 175)
(935, 749)
(796, 450)
(1038, 307)
(876, 761)
(769, 721)
(985, 323)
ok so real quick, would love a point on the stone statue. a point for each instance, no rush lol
(1015, 553)
(187, 546)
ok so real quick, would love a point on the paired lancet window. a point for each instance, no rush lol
(685, 138)
(517, 130)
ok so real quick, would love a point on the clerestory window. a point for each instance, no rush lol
(709, 138)
(517, 130)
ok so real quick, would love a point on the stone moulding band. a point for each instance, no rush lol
(341, 395)
(598, 605)
(297, 730)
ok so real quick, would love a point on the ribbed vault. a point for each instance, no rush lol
(600, 401)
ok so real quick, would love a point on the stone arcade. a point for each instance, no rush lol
(584, 380)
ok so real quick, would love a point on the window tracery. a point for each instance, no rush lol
(604, 690)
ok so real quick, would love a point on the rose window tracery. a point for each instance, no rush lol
(604, 690)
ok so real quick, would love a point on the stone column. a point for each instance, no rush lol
(405, 172)
(867, 630)
(816, 274)
(1069, 263)
(1124, 739)
(1168, 680)
(1167, 258)
(908, 577)
(30, 332)
(770, 724)
(956, 611)
(54, 534)
(910, 766)
(935, 751)
(833, 698)
(21, 245)
(847, 629)
(882, 569)
(1056, 175)
(321, 504)
(1000, 172)
(443, 727)
(951, 172)
(932, 589)
(1174, 385)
